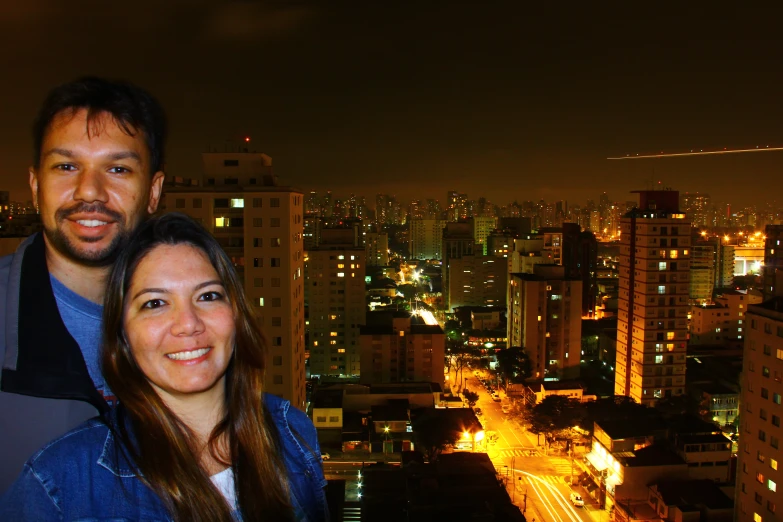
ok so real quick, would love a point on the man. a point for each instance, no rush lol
(97, 173)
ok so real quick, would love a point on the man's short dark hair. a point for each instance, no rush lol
(132, 108)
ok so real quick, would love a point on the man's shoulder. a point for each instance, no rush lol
(13, 260)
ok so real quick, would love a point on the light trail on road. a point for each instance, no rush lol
(544, 500)
(557, 495)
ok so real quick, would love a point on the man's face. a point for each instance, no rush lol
(92, 186)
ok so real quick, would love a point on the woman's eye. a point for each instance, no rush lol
(153, 303)
(211, 296)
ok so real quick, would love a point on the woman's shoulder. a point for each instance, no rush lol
(283, 412)
(88, 436)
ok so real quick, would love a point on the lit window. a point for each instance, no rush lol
(220, 222)
(237, 203)
(353, 257)
(670, 346)
(773, 464)
(658, 359)
(332, 342)
(340, 274)
(341, 350)
(662, 289)
(332, 334)
(662, 265)
(340, 265)
(340, 257)
(669, 335)
(772, 486)
(315, 343)
(756, 517)
(672, 254)
(260, 301)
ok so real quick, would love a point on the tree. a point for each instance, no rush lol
(408, 291)
(615, 407)
(678, 405)
(433, 435)
(556, 414)
(514, 364)
(470, 396)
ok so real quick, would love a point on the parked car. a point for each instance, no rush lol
(576, 500)
(495, 397)
(325, 456)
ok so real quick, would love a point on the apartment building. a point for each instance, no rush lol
(653, 299)
(760, 452)
(335, 271)
(544, 317)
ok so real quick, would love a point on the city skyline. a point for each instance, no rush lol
(520, 99)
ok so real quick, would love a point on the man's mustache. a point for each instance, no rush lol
(88, 208)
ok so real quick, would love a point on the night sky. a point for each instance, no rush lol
(508, 100)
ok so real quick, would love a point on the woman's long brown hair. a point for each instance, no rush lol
(163, 448)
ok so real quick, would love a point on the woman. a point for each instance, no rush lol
(193, 438)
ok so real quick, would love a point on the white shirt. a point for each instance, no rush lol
(224, 481)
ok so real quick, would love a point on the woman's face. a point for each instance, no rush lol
(179, 323)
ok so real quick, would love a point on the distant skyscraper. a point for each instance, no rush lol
(653, 299)
(377, 247)
(696, 207)
(426, 238)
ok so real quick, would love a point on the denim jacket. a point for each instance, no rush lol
(82, 476)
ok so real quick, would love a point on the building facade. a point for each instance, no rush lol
(760, 452)
(335, 273)
(544, 317)
(376, 246)
(426, 238)
(402, 349)
(653, 299)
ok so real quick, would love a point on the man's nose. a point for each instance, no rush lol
(91, 186)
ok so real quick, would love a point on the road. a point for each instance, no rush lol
(536, 482)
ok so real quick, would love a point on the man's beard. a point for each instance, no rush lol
(95, 258)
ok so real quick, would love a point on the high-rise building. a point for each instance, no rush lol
(426, 238)
(376, 246)
(475, 280)
(696, 207)
(259, 225)
(702, 282)
(401, 348)
(545, 317)
(724, 275)
(335, 273)
(457, 242)
(760, 454)
(653, 299)
(773, 262)
(482, 228)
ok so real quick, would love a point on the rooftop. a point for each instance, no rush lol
(655, 455)
(622, 429)
(686, 493)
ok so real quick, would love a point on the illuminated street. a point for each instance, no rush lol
(539, 481)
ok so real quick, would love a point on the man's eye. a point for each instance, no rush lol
(65, 166)
(153, 303)
(211, 296)
(119, 170)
